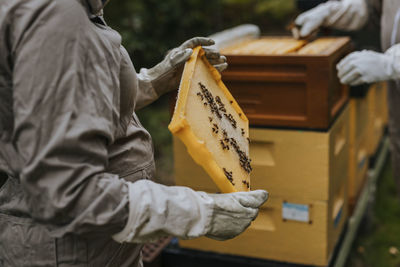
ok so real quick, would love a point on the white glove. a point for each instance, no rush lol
(235, 35)
(369, 66)
(166, 75)
(234, 212)
(347, 15)
(156, 210)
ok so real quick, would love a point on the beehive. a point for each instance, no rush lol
(306, 175)
(212, 126)
(325, 45)
(288, 89)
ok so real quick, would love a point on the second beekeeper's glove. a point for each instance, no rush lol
(156, 210)
(166, 75)
(369, 66)
(346, 15)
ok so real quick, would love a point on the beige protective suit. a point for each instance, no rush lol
(56, 73)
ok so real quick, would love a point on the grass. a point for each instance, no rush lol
(378, 241)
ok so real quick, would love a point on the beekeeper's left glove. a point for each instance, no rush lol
(166, 75)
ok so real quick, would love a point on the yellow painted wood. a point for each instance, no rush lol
(324, 45)
(301, 167)
(207, 119)
(358, 150)
(271, 237)
(376, 102)
(285, 45)
(285, 162)
(385, 104)
(359, 115)
(265, 46)
(358, 167)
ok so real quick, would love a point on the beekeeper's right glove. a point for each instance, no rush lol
(346, 15)
(234, 212)
(156, 210)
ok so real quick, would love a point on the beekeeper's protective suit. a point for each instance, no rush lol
(366, 66)
(75, 163)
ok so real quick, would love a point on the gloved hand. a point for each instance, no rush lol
(156, 210)
(166, 75)
(347, 15)
(369, 66)
(234, 212)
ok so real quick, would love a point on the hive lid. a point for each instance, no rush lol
(213, 127)
(273, 46)
(265, 46)
(323, 46)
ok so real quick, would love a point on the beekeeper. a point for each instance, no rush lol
(366, 66)
(75, 162)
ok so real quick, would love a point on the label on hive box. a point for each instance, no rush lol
(295, 212)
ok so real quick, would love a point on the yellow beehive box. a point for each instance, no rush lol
(358, 154)
(376, 120)
(285, 162)
(301, 231)
(358, 167)
(212, 126)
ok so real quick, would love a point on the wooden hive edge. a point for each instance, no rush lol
(181, 128)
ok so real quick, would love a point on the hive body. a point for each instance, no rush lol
(307, 209)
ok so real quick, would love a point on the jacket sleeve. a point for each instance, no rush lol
(64, 106)
(151, 89)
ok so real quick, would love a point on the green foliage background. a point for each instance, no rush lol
(150, 27)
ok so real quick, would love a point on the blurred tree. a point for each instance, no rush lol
(150, 27)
